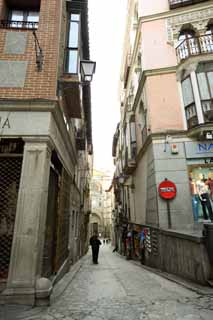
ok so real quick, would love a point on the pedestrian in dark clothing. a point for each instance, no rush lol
(116, 249)
(95, 243)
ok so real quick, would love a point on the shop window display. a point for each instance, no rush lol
(201, 187)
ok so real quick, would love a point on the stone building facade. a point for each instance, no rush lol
(45, 144)
(166, 128)
(102, 204)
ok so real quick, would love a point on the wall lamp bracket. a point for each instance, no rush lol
(38, 52)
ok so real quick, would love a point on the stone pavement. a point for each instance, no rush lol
(116, 289)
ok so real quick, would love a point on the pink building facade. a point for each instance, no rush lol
(166, 128)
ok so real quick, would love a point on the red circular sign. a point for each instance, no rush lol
(167, 189)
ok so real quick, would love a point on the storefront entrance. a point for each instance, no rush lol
(201, 173)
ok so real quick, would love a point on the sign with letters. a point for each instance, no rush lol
(5, 123)
(19, 123)
(199, 149)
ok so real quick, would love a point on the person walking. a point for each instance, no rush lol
(95, 243)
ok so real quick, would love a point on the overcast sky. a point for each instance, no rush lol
(106, 27)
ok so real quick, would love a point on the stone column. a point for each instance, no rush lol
(29, 232)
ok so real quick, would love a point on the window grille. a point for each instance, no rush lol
(10, 172)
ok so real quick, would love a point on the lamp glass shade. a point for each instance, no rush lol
(121, 180)
(87, 69)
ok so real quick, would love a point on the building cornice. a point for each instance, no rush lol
(43, 105)
(177, 12)
(160, 137)
(27, 104)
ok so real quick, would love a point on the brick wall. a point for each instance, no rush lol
(41, 84)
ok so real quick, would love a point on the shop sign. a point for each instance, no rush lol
(199, 149)
(167, 189)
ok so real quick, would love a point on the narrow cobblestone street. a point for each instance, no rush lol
(117, 289)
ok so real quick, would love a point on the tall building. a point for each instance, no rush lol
(45, 143)
(102, 204)
(166, 130)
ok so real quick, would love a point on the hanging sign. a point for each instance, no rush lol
(167, 189)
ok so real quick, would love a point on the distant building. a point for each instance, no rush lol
(102, 204)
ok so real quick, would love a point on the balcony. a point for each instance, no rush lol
(80, 140)
(173, 4)
(72, 93)
(194, 46)
(130, 162)
(191, 114)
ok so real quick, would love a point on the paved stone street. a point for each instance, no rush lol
(117, 289)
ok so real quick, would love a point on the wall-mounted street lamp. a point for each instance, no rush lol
(87, 69)
(39, 53)
(121, 180)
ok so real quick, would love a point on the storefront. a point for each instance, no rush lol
(199, 157)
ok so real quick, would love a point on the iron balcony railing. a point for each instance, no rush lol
(8, 24)
(132, 155)
(195, 46)
(181, 3)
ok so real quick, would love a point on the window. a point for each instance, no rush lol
(133, 140)
(72, 54)
(23, 19)
(143, 122)
(207, 42)
(189, 103)
(209, 29)
(186, 34)
(205, 83)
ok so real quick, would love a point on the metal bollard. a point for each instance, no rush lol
(208, 235)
